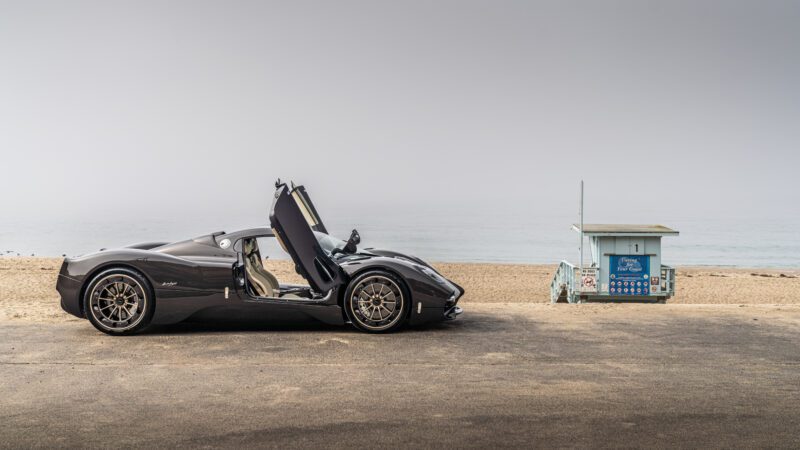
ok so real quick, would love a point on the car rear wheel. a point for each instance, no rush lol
(119, 302)
(377, 302)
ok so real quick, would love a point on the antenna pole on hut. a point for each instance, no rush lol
(580, 214)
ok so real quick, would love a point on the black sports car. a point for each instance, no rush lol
(221, 275)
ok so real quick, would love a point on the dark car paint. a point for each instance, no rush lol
(200, 283)
(190, 277)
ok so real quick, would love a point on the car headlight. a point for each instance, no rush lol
(433, 275)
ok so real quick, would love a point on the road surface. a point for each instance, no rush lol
(501, 376)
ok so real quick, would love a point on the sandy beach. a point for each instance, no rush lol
(27, 285)
(512, 372)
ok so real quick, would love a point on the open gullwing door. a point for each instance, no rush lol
(294, 220)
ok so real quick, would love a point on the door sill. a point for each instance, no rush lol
(285, 300)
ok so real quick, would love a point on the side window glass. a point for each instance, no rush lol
(308, 214)
(271, 249)
(277, 262)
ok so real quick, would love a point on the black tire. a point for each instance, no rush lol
(119, 302)
(377, 302)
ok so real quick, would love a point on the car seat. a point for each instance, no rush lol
(261, 282)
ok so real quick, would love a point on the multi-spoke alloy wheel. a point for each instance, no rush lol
(376, 302)
(118, 302)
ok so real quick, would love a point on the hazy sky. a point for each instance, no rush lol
(672, 107)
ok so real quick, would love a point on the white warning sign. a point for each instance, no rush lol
(588, 280)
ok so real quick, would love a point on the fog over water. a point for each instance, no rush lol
(456, 130)
(465, 235)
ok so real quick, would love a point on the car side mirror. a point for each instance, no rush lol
(352, 243)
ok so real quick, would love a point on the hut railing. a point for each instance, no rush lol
(668, 279)
(563, 284)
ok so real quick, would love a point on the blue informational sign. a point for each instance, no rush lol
(629, 275)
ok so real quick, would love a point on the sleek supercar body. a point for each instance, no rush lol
(221, 275)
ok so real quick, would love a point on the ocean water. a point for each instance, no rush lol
(465, 236)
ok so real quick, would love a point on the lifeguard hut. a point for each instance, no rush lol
(625, 266)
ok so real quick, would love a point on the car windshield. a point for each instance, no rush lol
(328, 242)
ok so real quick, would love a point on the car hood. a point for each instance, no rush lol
(377, 252)
(412, 262)
(392, 254)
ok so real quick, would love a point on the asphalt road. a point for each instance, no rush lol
(519, 375)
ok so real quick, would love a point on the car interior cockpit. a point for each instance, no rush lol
(261, 283)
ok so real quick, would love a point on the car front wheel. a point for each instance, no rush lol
(377, 302)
